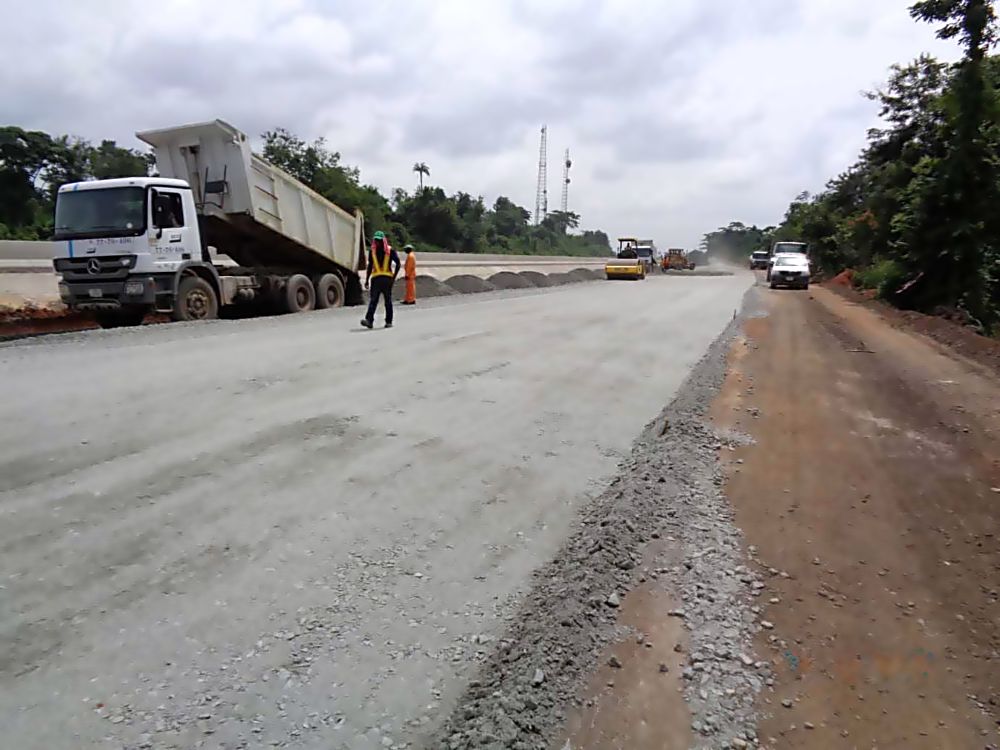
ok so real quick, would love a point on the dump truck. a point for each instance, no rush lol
(131, 246)
(626, 264)
(646, 251)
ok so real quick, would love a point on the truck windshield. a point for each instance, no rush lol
(789, 247)
(789, 259)
(106, 212)
(644, 252)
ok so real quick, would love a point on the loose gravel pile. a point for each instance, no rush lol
(427, 286)
(668, 489)
(535, 278)
(469, 284)
(558, 279)
(509, 280)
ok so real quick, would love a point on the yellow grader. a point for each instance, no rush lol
(676, 259)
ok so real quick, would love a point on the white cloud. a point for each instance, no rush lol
(679, 118)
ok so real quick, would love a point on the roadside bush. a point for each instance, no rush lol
(885, 276)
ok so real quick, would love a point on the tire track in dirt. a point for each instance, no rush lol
(867, 495)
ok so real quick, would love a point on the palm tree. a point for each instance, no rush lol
(421, 169)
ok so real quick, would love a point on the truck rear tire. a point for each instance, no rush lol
(299, 294)
(329, 291)
(196, 300)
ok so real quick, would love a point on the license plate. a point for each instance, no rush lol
(95, 292)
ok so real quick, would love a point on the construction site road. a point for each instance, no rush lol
(294, 532)
(869, 498)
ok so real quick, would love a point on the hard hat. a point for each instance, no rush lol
(407, 246)
(379, 236)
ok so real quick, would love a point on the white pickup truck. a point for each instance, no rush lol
(783, 248)
(130, 246)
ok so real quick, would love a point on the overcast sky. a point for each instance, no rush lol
(680, 115)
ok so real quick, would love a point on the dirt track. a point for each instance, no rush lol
(871, 493)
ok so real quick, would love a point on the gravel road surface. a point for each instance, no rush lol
(293, 532)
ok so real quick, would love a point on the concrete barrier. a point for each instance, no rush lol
(18, 250)
(27, 279)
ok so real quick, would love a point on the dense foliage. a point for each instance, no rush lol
(33, 164)
(736, 241)
(918, 215)
(428, 217)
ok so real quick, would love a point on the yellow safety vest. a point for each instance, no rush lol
(383, 269)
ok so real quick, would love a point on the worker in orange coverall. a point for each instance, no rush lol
(410, 274)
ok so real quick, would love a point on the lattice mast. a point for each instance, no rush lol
(565, 182)
(542, 193)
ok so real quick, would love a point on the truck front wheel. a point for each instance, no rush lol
(196, 300)
(329, 291)
(299, 294)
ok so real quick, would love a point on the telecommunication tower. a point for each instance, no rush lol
(565, 182)
(542, 194)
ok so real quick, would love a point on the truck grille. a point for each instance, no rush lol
(95, 267)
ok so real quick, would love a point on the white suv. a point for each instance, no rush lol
(791, 270)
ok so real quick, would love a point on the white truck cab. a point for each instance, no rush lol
(647, 254)
(120, 242)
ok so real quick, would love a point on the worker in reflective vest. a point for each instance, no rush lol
(383, 267)
(410, 274)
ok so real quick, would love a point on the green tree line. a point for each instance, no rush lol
(918, 214)
(737, 241)
(428, 217)
(33, 164)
